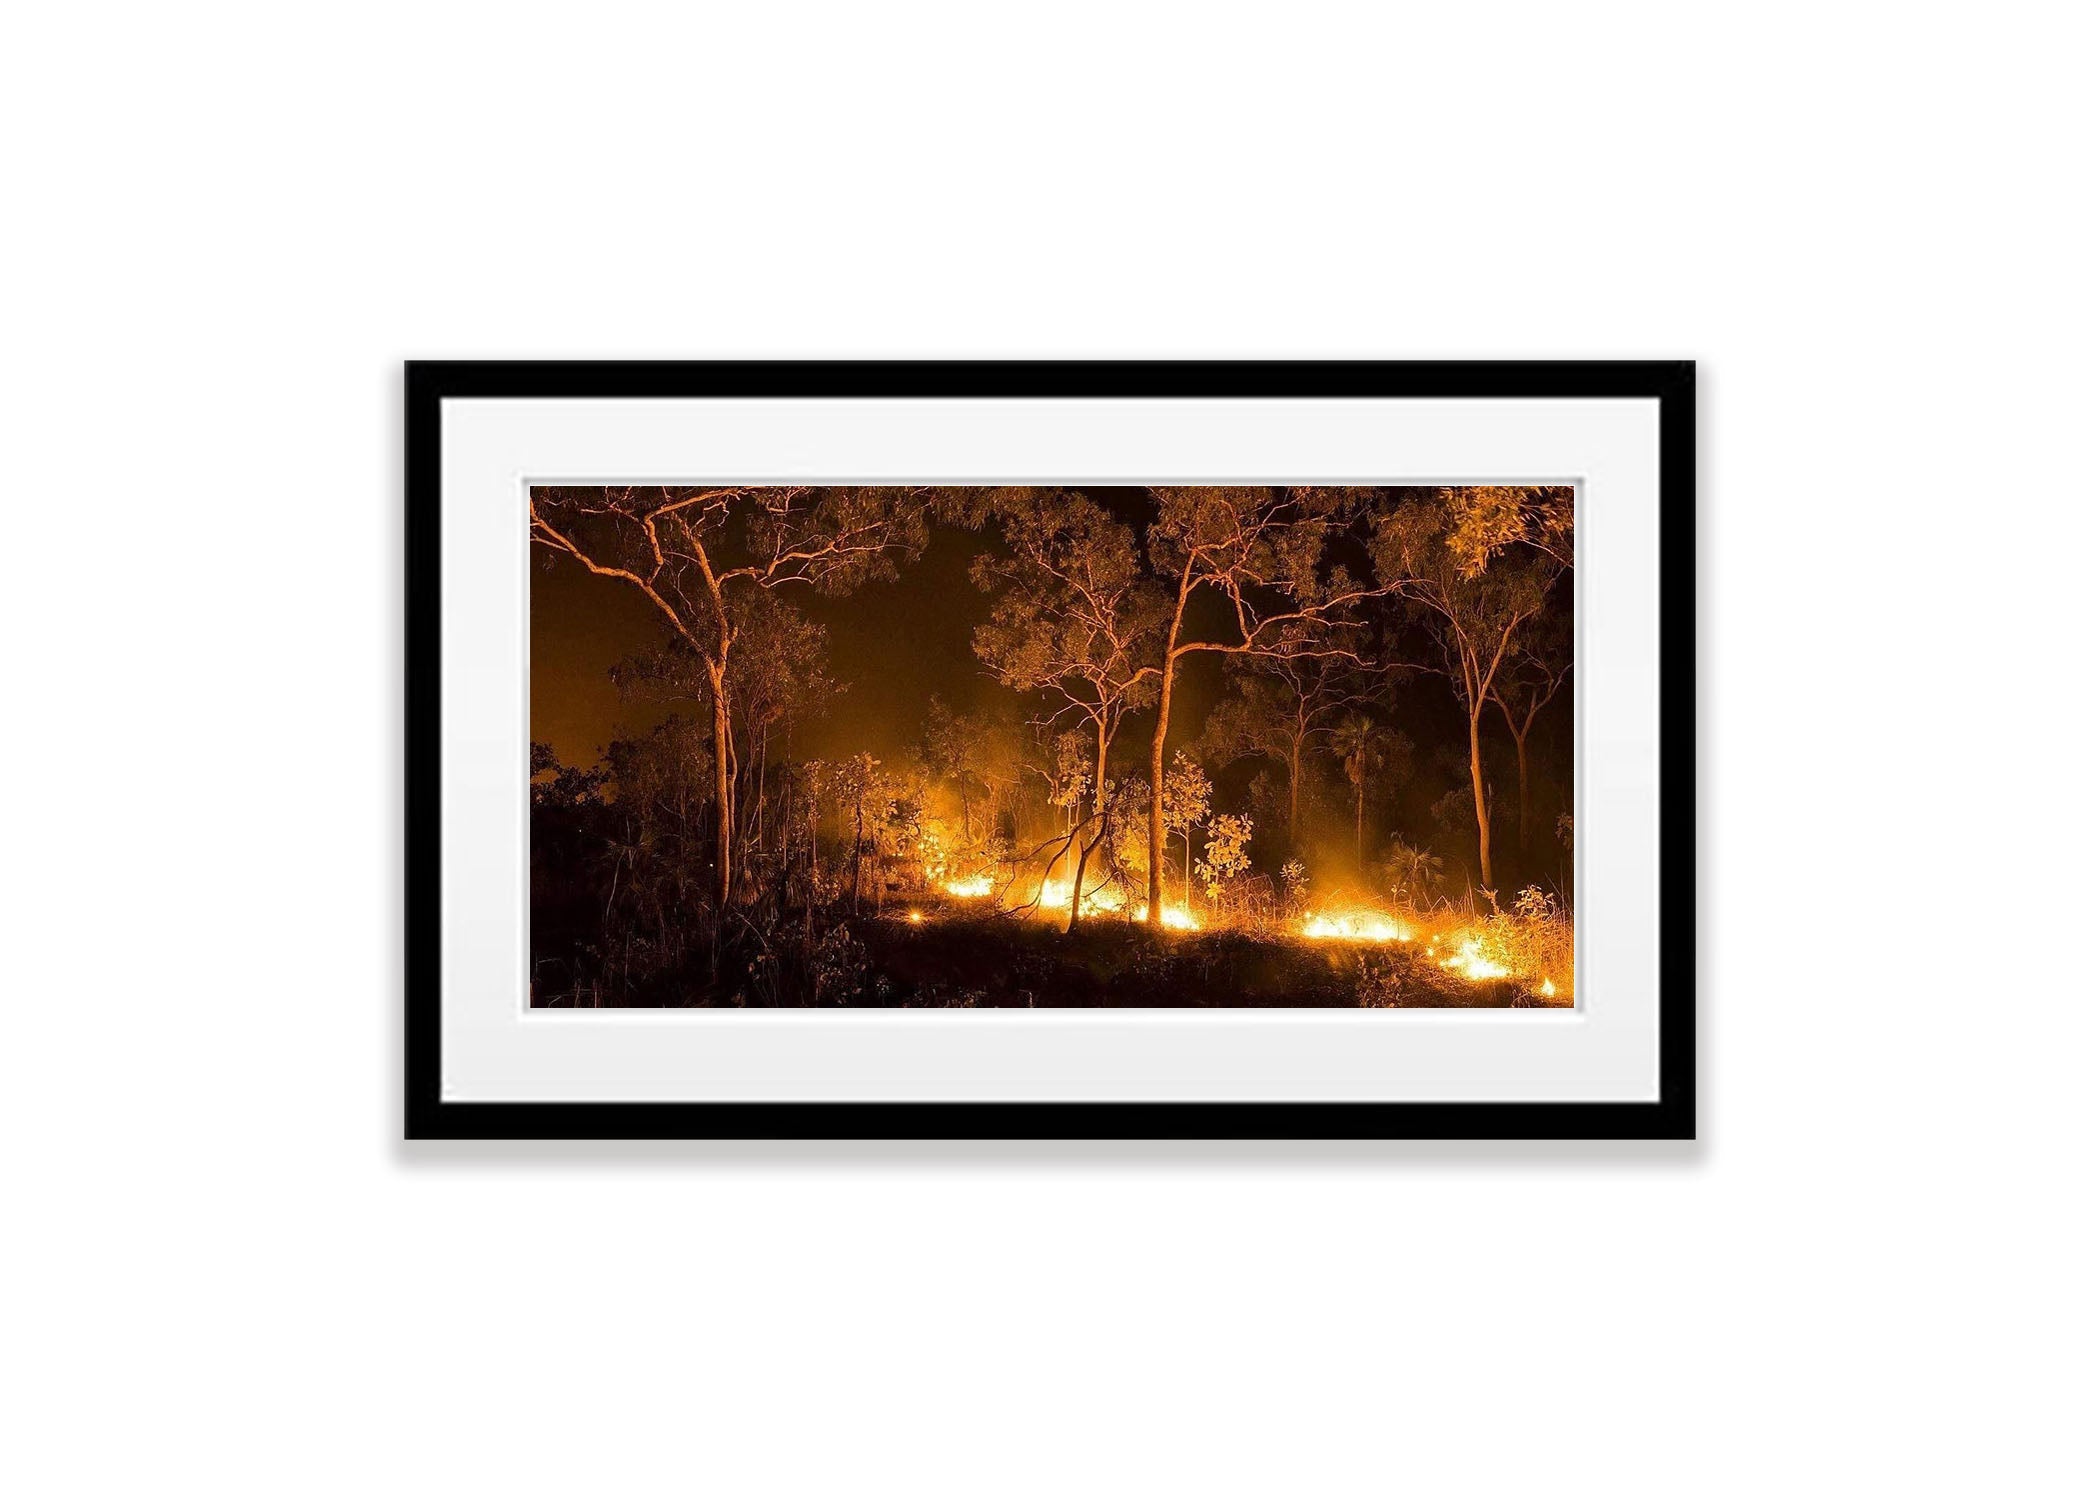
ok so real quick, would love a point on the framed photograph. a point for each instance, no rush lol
(1050, 750)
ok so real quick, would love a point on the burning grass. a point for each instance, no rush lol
(989, 931)
(1382, 957)
(1036, 896)
(932, 949)
(1396, 955)
(968, 956)
(1531, 945)
(1353, 927)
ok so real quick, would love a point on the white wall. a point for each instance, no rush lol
(228, 224)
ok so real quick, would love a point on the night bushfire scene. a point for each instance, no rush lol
(955, 747)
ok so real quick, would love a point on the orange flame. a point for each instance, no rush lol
(1355, 926)
(1473, 963)
(1173, 917)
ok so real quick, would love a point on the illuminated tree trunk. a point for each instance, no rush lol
(1156, 829)
(1480, 807)
(1078, 877)
(1100, 812)
(1156, 823)
(724, 831)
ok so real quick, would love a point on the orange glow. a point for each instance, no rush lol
(1355, 926)
(916, 916)
(976, 885)
(1172, 917)
(1056, 896)
(1473, 963)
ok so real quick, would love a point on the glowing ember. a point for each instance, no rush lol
(976, 885)
(1355, 926)
(1474, 964)
(916, 916)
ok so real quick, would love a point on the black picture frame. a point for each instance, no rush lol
(1670, 1116)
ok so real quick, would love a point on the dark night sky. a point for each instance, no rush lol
(894, 645)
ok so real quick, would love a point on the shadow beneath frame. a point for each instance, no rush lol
(1048, 1155)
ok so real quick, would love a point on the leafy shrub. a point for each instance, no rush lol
(1534, 939)
(1224, 852)
(1297, 884)
(838, 967)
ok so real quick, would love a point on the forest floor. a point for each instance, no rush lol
(931, 951)
(956, 956)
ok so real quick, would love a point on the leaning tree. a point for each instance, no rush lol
(695, 551)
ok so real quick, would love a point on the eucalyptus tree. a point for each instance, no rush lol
(1487, 519)
(694, 552)
(1264, 553)
(1074, 621)
(778, 680)
(1477, 564)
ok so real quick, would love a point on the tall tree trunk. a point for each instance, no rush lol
(724, 830)
(1078, 877)
(1359, 826)
(1480, 806)
(1156, 831)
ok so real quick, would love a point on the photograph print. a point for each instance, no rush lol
(956, 747)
